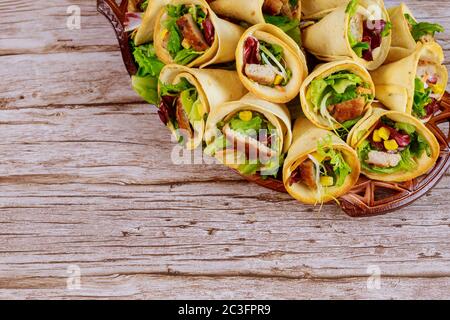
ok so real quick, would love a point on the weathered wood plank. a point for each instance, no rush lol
(130, 286)
(64, 79)
(34, 27)
(86, 179)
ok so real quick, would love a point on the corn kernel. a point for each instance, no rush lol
(376, 136)
(391, 145)
(245, 115)
(185, 44)
(318, 157)
(438, 89)
(384, 133)
(164, 33)
(278, 80)
(326, 181)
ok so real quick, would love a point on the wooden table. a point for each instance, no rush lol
(87, 185)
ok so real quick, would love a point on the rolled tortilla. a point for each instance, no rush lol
(292, 55)
(250, 11)
(145, 32)
(306, 140)
(323, 71)
(365, 129)
(328, 39)
(223, 48)
(214, 88)
(236, 153)
(395, 82)
(403, 43)
(315, 9)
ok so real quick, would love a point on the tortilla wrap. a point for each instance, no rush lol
(328, 38)
(395, 82)
(277, 114)
(250, 11)
(315, 9)
(145, 32)
(214, 88)
(365, 128)
(403, 43)
(322, 72)
(294, 57)
(222, 50)
(305, 141)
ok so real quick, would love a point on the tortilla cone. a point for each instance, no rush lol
(214, 87)
(323, 71)
(277, 114)
(222, 50)
(250, 11)
(403, 43)
(314, 9)
(328, 38)
(293, 56)
(305, 140)
(395, 82)
(365, 127)
(145, 32)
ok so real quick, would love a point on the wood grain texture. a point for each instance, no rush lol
(86, 179)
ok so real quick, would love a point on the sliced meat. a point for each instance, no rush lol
(307, 173)
(263, 74)
(286, 9)
(192, 33)
(348, 110)
(273, 7)
(182, 119)
(384, 159)
(248, 145)
(357, 27)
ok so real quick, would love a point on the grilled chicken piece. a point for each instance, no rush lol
(183, 120)
(263, 74)
(357, 27)
(273, 7)
(252, 147)
(307, 173)
(192, 33)
(384, 159)
(348, 110)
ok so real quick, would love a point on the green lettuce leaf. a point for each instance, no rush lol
(146, 87)
(421, 99)
(249, 169)
(244, 127)
(185, 56)
(423, 28)
(340, 167)
(290, 26)
(147, 61)
(405, 127)
(167, 89)
(351, 8)
(316, 92)
(174, 41)
(144, 5)
(219, 143)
